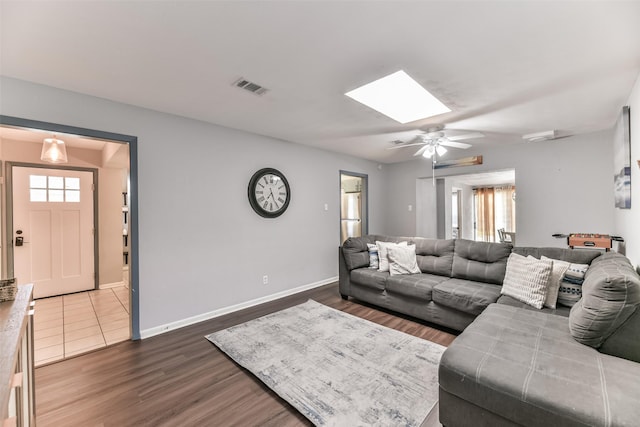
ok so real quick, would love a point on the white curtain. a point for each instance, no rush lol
(505, 208)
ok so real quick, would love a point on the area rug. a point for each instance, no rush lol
(338, 369)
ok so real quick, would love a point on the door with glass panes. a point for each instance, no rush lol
(53, 229)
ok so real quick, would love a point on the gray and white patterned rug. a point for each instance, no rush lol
(338, 369)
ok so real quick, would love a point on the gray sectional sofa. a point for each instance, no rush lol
(459, 279)
(513, 364)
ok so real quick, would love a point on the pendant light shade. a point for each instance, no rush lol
(53, 151)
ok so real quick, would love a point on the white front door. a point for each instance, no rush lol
(53, 216)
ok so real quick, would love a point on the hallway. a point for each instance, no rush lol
(72, 324)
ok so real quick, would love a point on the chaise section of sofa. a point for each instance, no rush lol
(527, 367)
(521, 367)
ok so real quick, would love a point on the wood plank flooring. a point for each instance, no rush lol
(181, 379)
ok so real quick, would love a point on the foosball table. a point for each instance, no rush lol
(590, 240)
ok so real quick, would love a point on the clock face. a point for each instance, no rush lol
(269, 193)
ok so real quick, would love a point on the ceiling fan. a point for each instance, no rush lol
(434, 140)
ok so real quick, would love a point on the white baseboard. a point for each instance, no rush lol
(110, 285)
(147, 333)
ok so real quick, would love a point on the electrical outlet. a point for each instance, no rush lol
(265, 280)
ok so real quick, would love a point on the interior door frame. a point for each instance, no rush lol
(365, 200)
(9, 165)
(132, 141)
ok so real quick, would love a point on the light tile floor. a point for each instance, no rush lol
(73, 324)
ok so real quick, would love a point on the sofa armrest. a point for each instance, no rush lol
(344, 283)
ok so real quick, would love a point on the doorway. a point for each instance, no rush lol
(115, 148)
(353, 205)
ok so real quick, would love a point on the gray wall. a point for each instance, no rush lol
(563, 186)
(202, 248)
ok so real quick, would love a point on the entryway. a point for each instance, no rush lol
(84, 268)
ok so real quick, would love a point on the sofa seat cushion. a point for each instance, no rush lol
(560, 310)
(524, 366)
(369, 277)
(465, 295)
(417, 286)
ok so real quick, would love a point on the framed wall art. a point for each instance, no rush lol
(622, 160)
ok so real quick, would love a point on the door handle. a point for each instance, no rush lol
(19, 241)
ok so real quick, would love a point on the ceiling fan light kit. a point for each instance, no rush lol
(434, 139)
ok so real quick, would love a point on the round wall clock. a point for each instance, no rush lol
(269, 193)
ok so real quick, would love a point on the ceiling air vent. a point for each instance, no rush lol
(250, 86)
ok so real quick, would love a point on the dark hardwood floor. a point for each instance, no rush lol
(181, 379)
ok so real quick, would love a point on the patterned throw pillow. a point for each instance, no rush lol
(383, 248)
(570, 290)
(402, 260)
(374, 261)
(526, 279)
(557, 273)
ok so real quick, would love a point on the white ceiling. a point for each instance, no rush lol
(504, 68)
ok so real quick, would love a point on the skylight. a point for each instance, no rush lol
(400, 97)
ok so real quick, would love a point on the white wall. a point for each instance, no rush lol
(627, 221)
(202, 248)
(564, 186)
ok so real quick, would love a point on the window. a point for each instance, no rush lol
(54, 189)
(494, 210)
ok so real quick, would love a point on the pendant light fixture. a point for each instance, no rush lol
(53, 151)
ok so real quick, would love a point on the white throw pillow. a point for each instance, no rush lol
(526, 279)
(402, 260)
(383, 248)
(557, 273)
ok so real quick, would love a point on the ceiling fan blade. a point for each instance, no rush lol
(454, 144)
(406, 144)
(470, 135)
(422, 150)
(418, 140)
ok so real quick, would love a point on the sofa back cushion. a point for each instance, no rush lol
(608, 309)
(480, 261)
(434, 256)
(575, 256)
